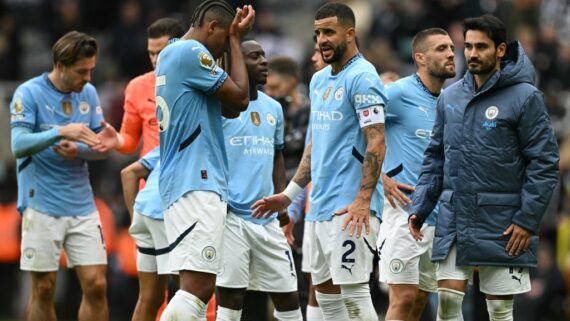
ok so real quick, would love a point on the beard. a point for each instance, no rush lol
(441, 71)
(481, 69)
(338, 53)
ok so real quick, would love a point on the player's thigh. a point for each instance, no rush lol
(84, 243)
(448, 270)
(499, 280)
(195, 226)
(42, 239)
(234, 273)
(146, 251)
(272, 267)
(160, 243)
(351, 259)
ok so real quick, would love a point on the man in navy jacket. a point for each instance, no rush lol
(492, 163)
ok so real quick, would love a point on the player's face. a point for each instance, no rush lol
(331, 39)
(218, 40)
(255, 62)
(73, 78)
(154, 47)
(481, 55)
(317, 59)
(439, 56)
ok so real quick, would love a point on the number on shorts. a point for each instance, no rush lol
(163, 112)
(351, 248)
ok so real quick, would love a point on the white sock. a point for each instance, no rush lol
(500, 310)
(225, 314)
(332, 306)
(358, 302)
(291, 315)
(314, 313)
(184, 306)
(449, 305)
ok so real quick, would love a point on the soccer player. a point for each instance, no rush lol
(410, 113)
(343, 160)
(139, 118)
(256, 255)
(147, 229)
(54, 118)
(493, 163)
(193, 179)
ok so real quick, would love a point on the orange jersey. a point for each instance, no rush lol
(140, 115)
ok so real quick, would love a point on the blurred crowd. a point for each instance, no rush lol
(385, 28)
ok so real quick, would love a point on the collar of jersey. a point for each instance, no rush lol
(348, 63)
(419, 80)
(48, 81)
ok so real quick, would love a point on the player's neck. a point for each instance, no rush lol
(432, 84)
(58, 85)
(253, 91)
(351, 51)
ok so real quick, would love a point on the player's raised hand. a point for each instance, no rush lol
(243, 21)
(79, 132)
(66, 149)
(358, 216)
(393, 191)
(414, 226)
(108, 138)
(269, 205)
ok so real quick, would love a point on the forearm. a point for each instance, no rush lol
(85, 152)
(303, 175)
(131, 130)
(372, 162)
(279, 180)
(130, 189)
(238, 73)
(25, 143)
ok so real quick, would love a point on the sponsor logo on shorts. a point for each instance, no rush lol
(29, 253)
(346, 267)
(209, 253)
(396, 266)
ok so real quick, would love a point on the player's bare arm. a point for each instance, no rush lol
(130, 177)
(281, 200)
(279, 183)
(234, 93)
(359, 211)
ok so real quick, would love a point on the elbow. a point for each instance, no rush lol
(240, 104)
(126, 175)
(19, 152)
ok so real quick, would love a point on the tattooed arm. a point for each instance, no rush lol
(303, 175)
(359, 210)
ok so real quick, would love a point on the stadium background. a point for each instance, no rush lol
(28, 28)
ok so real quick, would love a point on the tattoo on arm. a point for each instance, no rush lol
(303, 175)
(373, 157)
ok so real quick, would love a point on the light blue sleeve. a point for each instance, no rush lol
(297, 206)
(85, 152)
(279, 132)
(23, 108)
(151, 159)
(367, 90)
(26, 143)
(394, 95)
(201, 68)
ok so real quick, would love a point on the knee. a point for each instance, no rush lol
(404, 299)
(285, 301)
(151, 300)
(231, 298)
(44, 289)
(95, 287)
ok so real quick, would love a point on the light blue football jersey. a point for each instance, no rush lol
(251, 141)
(192, 152)
(148, 201)
(338, 144)
(410, 115)
(46, 182)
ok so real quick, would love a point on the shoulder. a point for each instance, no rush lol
(32, 85)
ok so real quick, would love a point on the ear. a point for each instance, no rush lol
(351, 34)
(59, 66)
(419, 58)
(501, 50)
(211, 26)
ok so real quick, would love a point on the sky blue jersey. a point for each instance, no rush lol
(251, 141)
(46, 182)
(192, 152)
(338, 144)
(148, 201)
(410, 115)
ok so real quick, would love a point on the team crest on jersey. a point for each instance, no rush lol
(67, 107)
(83, 107)
(98, 110)
(396, 266)
(327, 93)
(270, 119)
(492, 112)
(338, 94)
(206, 61)
(209, 253)
(255, 118)
(18, 106)
(29, 253)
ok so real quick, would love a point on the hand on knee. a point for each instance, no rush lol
(449, 305)
(500, 310)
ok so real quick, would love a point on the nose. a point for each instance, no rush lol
(263, 61)
(87, 77)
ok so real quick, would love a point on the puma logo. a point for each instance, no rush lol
(516, 278)
(349, 269)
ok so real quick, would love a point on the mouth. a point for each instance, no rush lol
(327, 50)
(263, 72)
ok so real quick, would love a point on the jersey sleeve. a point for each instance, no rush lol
(394, 95)
(97, 111)
(280, 129)
(23, 109)
(367, 90)
(203, 73)
(151, 159)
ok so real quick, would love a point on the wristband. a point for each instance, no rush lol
(292, 190)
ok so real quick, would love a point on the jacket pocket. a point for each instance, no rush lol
(494, 214)
(446, 196)
(498, 199)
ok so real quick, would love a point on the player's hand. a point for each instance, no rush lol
(66, 149)
(288, 231)
(393, 191)
(269, 205)
(243, 21)
(519, 241)
(108, 137)
(79, 132)
(358, 216)
(414, 226)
